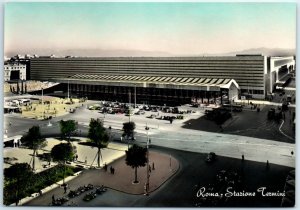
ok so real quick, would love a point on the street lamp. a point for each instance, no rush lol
(68, 89)
(135, 96)
(129, 107)
(148, 175)
(43, 110)
(109, 133)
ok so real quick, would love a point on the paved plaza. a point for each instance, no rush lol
(86, 153)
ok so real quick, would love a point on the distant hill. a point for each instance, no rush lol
(94, 53)
(265, 51)
(141, 53)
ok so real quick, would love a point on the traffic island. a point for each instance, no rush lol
(161, 167)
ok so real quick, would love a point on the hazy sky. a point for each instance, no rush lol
(177, 28)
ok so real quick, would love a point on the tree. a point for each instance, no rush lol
(136, 157)
(128, 129)
(61, 153)
(67, 128)
(98, 136)
(19, 176)
(33, 140)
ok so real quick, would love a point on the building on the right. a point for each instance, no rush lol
(280, 70)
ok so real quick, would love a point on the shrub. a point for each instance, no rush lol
(38, 182)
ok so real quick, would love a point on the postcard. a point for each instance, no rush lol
(139, 104)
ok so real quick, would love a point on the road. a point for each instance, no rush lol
(180, 190)
(162, 133)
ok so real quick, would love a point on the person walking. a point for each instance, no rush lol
(53, 199)
(65, 188)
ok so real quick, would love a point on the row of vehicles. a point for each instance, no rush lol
(17, 102)
(123, 108)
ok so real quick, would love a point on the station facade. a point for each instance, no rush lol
(160, 78)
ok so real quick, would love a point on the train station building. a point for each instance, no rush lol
(165, 80)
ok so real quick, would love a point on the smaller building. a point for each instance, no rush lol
(14, 71)
(280, 71)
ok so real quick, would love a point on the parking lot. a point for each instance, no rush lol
(249, 123)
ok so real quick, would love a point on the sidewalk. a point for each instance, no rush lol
(121, 180)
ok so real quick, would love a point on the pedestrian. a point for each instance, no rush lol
(243, 158)
(105, 167)
(111, 169)
(153, 166)
(145, 189)
(53, 199)
(76, 157)
(65, 188)
(268, 164)
(149, 141)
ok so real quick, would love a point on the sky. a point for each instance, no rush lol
(175, 28)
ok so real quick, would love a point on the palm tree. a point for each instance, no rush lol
(98, 137)
(61, 153)
(136, 157)
(33, 140)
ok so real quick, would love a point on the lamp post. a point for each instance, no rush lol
(43, 110)
(109, 133)
(134, 96)
(148, 175)
(129, 107)
(68, 89)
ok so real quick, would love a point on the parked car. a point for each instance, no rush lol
(140, 112)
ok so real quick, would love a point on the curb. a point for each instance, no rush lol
(283, 132)
(47, 189)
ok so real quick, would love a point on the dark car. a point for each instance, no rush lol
(211, 157)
